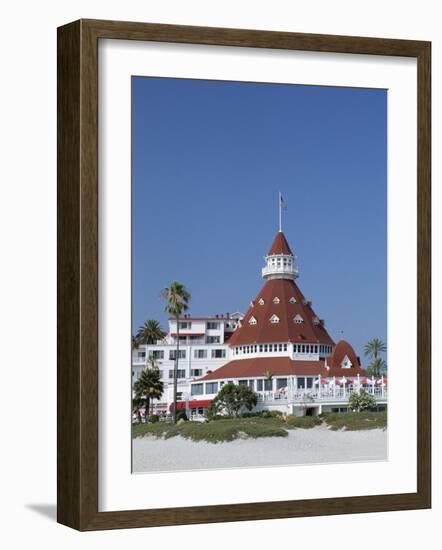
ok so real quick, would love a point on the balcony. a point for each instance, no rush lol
(306, 396)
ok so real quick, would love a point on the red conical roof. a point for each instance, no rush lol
(282, 298)
(280, 245)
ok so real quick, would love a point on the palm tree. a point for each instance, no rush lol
(377, 367)
(148, 386)
(374, 348)
(134, 342)
(149, 333)
(177, 302)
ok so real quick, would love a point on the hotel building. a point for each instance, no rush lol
(280, 348)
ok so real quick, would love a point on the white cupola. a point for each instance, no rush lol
(280, 261)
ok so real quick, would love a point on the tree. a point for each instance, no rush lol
(377, 367)
(148, 386)
(177, 302)
(232, 398)
(134, 343)
(361, 401)
(149, 332)
(373, 348)
(137, 403)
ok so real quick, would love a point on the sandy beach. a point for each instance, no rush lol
(318, 445)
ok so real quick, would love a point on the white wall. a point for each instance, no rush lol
(27, 214)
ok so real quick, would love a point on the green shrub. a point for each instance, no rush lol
(181, 415)
(361, 401)
(154, 418)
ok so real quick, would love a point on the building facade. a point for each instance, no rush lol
(280, 348)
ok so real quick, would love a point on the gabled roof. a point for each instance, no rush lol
(334, 361)
(286, 330)
(280, 245)
(259, 367)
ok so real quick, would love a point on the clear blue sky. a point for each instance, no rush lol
(208, 160)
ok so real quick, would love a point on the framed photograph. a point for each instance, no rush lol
(243, 275)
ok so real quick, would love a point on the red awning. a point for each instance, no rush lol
(194, 404)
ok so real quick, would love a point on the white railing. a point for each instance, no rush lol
(314, 395)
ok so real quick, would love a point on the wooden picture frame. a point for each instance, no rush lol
(77, 386)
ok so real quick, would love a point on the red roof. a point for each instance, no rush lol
(280, 245)
(334, 361)
(286, 330)
(257, 367)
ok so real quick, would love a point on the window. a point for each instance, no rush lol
(276, 300)
(181, 373)
(260, 348)
(281, 383)
(274, 319)
(265, 347)
(141, 355)
(315, 321)
(301, 383)
(212, 387)
(196, 372)
(197, 389)
(212, 325)
(259, 385)
(213, 340)
(261, 302)
(292, 300)
(172, 354)
(185, 324)
(252, 320)
(200, 353)
(218, 353)
(280, 347)
(309, 382)
(268, 385)
(160, 373)
(298, 319)
(285, 347)
(157, 354)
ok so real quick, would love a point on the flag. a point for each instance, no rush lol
(282, 203)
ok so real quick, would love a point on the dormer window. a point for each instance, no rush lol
(276, 300)
(252, 303)
(315, 321)
(298, 319)
(274, 319)
(305, 302)
(346, 363)
(292, 300)
(252, 321)
(261, 302)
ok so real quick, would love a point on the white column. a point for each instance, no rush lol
(319, 387)
(382, 386)
(334, 386)
(359, 384)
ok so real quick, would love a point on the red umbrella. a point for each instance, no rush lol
(363, 380)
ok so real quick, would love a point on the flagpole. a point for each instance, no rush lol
(280, 224)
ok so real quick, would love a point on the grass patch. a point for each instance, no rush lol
(253, 427)
(216, 431)
(304, 422)
(356, 421)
